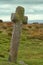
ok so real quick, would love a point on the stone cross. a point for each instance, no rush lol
(17, 18)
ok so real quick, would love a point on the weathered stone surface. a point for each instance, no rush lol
(25, 20)
(20, 11)
(16, 17)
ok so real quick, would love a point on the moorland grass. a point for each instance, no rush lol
(30, 50)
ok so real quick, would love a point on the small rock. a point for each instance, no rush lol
(22, 63)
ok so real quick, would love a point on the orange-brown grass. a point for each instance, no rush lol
(33, 30)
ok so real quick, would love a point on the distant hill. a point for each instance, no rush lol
(35, 21)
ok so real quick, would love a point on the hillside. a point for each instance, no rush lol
(31, 44)
(34, 30)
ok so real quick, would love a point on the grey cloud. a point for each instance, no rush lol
(8, 10)
(21, 1)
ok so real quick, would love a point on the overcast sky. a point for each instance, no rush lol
(33, 8)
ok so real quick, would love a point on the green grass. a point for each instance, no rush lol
(30, 50)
